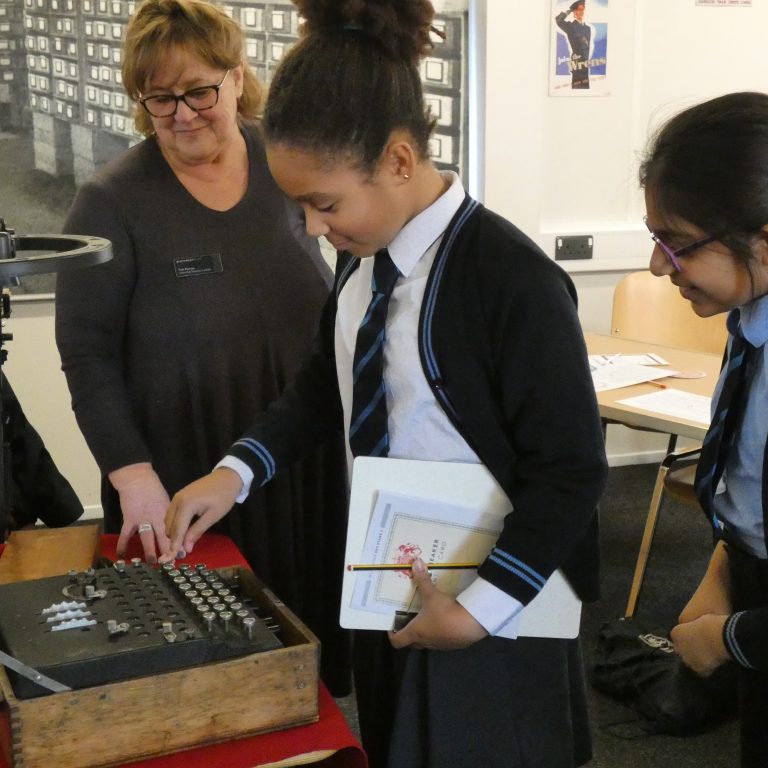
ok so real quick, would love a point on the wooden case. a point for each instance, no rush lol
(39, 552)
(144, 717)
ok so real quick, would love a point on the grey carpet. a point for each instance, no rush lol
(678, 559)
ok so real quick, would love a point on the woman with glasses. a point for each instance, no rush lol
(706, 187)
(204, 314)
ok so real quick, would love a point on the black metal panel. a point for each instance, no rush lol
(141, 597)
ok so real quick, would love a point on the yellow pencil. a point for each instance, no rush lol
(657, 384)
(408, 566)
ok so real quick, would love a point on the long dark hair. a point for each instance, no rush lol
(352, 79)
(709, 166)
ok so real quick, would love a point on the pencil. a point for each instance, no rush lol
(657, 384)
(408, 566)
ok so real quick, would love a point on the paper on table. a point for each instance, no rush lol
(674, 402)
(617, 375)
(555, 612)
(649, 358)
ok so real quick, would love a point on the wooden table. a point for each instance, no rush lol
(679, 359)
(328, 743)
(612, 409)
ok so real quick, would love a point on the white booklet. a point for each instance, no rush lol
(404, 527)
(444, 513)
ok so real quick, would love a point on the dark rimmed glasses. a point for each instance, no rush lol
(197, 99)
(673, 254)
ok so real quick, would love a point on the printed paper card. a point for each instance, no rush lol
(405, 527)
(460, 502)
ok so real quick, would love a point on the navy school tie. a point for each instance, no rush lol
(368, 425)
(725, 422)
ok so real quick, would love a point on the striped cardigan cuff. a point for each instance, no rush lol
(257, 457)
(512, 575)
(730, 641)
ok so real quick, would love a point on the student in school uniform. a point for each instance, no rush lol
(706, 186)
(483, 361)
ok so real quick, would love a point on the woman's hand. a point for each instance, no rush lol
(700, 645)
(207, 499)
(143, 501)
(442, 624)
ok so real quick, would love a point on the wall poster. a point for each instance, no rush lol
(579, 48)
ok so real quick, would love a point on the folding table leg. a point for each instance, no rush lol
(647, 540)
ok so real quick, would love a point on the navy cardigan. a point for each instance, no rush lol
(503, 351)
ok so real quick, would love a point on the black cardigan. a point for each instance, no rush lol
(502, 348)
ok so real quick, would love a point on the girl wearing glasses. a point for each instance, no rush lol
(706, 186)
(203, 315)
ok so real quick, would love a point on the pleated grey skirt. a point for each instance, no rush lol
(498, 704)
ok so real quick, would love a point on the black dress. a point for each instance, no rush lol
(172, 348)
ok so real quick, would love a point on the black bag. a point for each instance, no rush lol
(640, 669)
(35, 488)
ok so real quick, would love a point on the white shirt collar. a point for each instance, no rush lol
(754, 321)
(422, 230)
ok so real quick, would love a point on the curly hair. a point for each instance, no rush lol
(352, 79)
(196, 26)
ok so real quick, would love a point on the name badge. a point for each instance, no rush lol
(198, 265)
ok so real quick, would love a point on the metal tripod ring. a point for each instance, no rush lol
(65, 252)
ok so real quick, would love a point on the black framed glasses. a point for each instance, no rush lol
(673, 254)
(197, 99)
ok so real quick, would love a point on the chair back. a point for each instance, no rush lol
(651, 309)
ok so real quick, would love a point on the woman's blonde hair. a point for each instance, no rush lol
(195, 26)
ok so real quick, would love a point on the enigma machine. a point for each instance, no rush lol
(103, 624)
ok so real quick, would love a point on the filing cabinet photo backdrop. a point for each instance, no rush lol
(64, 113)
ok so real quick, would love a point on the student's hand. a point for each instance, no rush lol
(442, 624)
(700, 645)
(143, 501)
(713, 593)
(207, 499)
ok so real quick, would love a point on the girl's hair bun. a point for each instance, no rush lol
(401, 27)
(352, 79)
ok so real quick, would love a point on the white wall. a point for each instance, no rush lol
(552, 166)
(568, 165)
(34, 370)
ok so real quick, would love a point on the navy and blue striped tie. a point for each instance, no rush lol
(725, 422)
(368, 434)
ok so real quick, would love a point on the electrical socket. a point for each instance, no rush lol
(573, 247)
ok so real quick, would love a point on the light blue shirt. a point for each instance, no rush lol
(739, 497)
